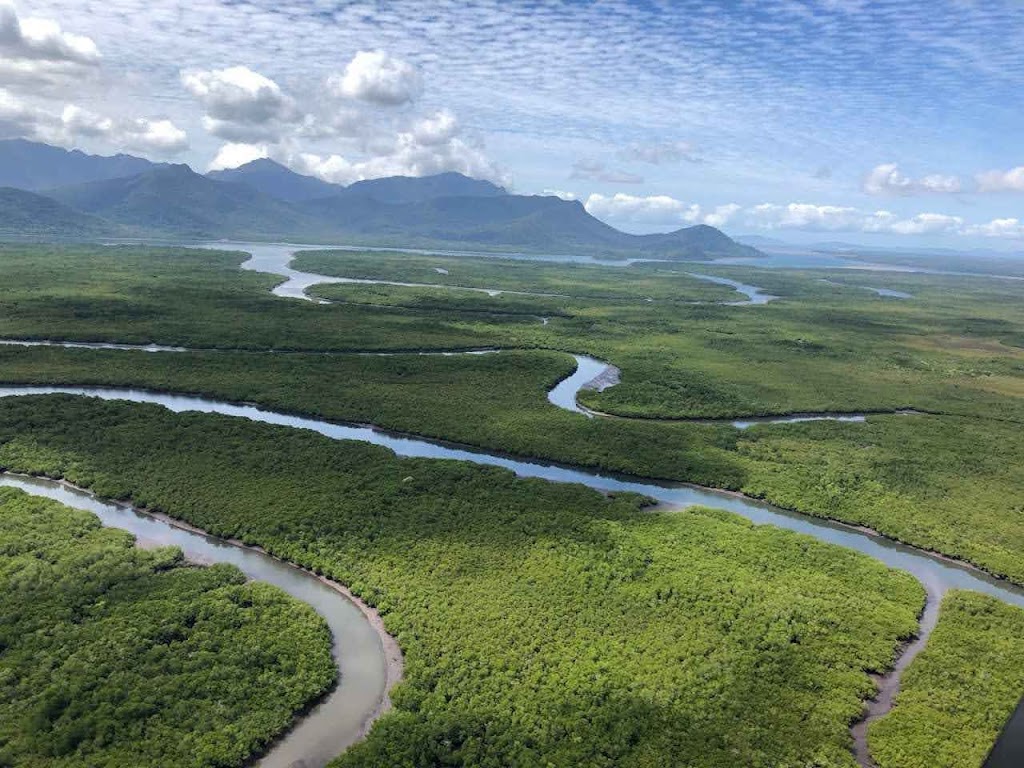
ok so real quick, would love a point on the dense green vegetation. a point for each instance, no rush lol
(543, 624)
(655, 281)
(457, 557)
(199, 298)
(111, 655)
(947, 483)
(959, 692)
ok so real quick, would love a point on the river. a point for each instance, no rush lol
(937, 574)
(345, 713)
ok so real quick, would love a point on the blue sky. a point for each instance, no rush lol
(883, 122)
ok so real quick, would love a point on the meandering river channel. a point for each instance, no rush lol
(366, 665)
(937, 574)
(368, 660)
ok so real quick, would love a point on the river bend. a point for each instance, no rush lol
(366, 669)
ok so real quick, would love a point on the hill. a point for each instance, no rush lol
(396, 190)
(511, 221)
(28, 215)
(275, 180)
(176, 201)
(264, 200)
(34, 166)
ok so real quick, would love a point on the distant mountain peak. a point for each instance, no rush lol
(413, 189)
(34, 166)
(276, 180)
(261, 164)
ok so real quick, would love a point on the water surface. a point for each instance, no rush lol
(339, 720)
(936, 573)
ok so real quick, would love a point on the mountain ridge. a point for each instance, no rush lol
(34, 166)
(447, 210)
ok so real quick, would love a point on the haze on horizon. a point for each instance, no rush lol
(884, 123)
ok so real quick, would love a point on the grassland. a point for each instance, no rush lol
(112, 655)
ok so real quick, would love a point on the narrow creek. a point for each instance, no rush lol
(598, 375)
(367, 658)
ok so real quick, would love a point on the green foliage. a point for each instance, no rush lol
(581, 281)
(543, 624)
(959, 692)
(199, 298)
(946, 483)
(111, 655)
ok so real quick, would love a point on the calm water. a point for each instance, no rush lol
(566, 393)
(936, 574)
(88, 345)
(338, 721)
(754, 294)
(275, 258)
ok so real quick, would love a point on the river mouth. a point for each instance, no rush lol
(365, 672)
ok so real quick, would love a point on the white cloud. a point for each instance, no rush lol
(657, 210)
(73, 124)
(721, 215)
(335, 130)
(662, 210)
(232, 155)
(40, 61)
(921, 224)
(1002, 181)
(158, 136)
(379, 78)
(42, 40)
(16, 118)
(161, 137)
(240, 104)
(832, 218)
(558, 193)
(439, 128)
(887, 179)
(804, 216)
(81, 122)
(407, 157)
(1009, 228)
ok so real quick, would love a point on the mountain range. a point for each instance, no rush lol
(51, 192)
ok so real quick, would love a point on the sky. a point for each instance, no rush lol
(882, 122)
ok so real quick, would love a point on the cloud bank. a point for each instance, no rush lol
(887, 179)
(665, 212)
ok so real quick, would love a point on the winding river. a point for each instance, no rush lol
(595, 374)
(342, 718)
(367, 659)
(937, 574)
(276, 259)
